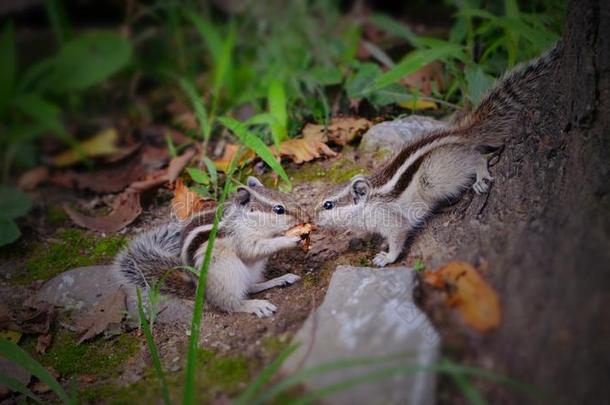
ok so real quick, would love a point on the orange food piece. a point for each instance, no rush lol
(302, 230)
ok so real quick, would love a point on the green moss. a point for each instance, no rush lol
(99, 356)
(70, 248)
(311, 280)
(56, 217)
(216, 374)
(340, 171)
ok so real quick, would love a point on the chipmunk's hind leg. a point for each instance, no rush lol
(281, 281)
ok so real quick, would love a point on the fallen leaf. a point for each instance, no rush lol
(419, 104)
(311, 146)
(107, 312)
(14, 371)
(223, 163)
(476, 301)
(187, 202)
(110, 179)
(101, 144)
(123, 153)
(43, 342)
(426, 79)
(10, 335)
(33, 178)
(151, 180)
(125, 209)
(177, 164)
(33, 319)
(342, 130)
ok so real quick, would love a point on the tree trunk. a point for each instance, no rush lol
(542, 235)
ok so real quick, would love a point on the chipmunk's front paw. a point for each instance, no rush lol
(382, 259)
(260, 308)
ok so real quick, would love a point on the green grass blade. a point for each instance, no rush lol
(191, 363)
(276, 99)
(57, 19)
(396, 28)
(17, 386)
(198, 105)
(416, 60)
(223, 65)
(212, 172)
(208, 32)
(265, 375)
(256, 144)
(199, 176)
(152, 348)
(16, 354)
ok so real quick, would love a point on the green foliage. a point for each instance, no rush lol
(152, 348)
(13, 204)
(12, 352)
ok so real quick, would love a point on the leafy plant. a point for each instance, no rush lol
(13, 204)
(16, 354)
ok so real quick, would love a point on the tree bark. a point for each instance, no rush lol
(542, 235)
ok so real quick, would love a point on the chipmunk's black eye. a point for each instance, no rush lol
(328, 205)
(278, 209)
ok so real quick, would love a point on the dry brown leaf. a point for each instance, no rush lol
(476, 301)
(32, 178)
(110, 179)
(186, 202)
(426, 79)
(125, 209)
(342, 130)
(223, 163)
(177, 164)
(108, 312)
(43, 342)
(101, 144)
(311, 146)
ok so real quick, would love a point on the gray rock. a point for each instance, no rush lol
(369, 313)
(82, 288)
(393, 135)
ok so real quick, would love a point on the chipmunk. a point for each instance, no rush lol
(435, 168)
(251, 229)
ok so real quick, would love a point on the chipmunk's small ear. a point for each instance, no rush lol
(242, 196)
(254, 182)
(360, 188)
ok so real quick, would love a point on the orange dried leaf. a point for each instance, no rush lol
(342, 130)
(186, 202)
(476, 301)
(311, 146)
(223, 163)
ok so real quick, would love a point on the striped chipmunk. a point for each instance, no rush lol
(436, 167)
(256, 222)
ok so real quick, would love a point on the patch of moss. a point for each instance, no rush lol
(311, 280)
(56, 217)
(102, 357)
(340, 171)
(70, 248)
(216, 374)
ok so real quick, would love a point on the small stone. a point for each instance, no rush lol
(391, 136)
(369, 312)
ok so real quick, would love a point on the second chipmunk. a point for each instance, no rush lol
(437, 167)
(253, 226)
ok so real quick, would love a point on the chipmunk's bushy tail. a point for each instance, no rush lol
(491, 120)
(153, 258)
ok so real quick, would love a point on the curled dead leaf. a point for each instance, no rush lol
(311, 146)
(342, 130)
(177, 164)
(33, 178)
(476, 301)
(223, 163)
(125, 209)
(101, 144)
(108, 312)
(426, 79)
(186, 202)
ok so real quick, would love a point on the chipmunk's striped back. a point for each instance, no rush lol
(486, 127)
